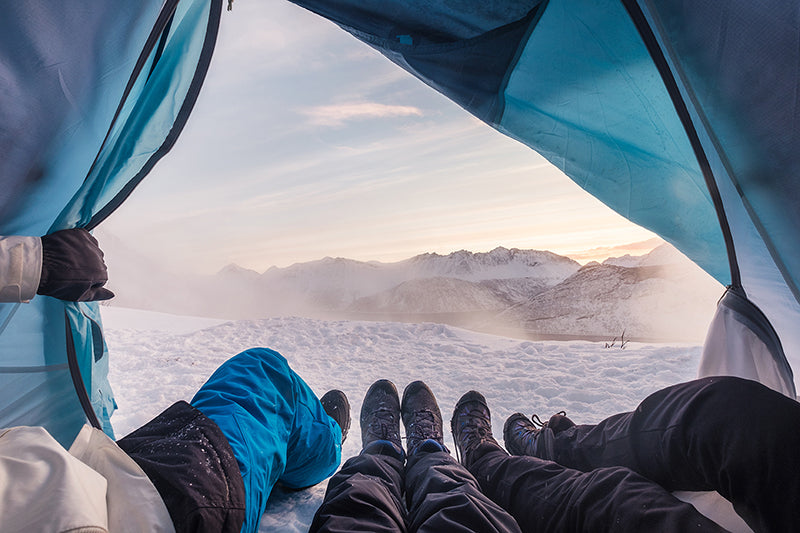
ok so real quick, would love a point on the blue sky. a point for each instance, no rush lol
(306, 143)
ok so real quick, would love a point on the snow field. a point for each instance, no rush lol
(157, 359)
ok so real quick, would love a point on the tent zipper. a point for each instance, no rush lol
(77, 379)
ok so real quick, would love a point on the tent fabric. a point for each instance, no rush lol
(586, 95)
(99, 94)
(743, 66)
(464, 55)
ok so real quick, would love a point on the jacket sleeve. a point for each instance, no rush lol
(20, 267)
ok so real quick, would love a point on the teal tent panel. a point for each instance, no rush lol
(586, 95)
(114, 80)
(460, 48)
(36, 385)
(153, 115)
(741, 63)
(91, 359)
(734, 140)
(64, 67)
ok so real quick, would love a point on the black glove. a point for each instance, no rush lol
(73, 267)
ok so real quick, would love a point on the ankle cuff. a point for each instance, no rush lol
(430, 446)
(384, 447)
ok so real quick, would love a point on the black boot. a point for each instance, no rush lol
(380, 417)
(336, 405)
(472, 428)
(521, 434)
(422, 419)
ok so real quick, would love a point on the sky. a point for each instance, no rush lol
(306, 143)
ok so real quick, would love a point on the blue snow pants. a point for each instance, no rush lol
(274, 423)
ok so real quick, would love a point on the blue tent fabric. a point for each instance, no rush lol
(736, 69)
(462, 49)
(274, 423)
(92, 97)
(38, 389)
(138, 138)
(743, 66)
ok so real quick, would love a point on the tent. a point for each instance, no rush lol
(681, 116)
(91, 97)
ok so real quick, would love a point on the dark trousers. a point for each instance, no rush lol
(544, 496)
(727, 434)
(440, 495)
(191, 464)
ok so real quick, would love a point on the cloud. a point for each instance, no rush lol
(339, 114)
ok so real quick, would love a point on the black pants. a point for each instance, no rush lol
(441, 496)
(727, 434)
(191, 464)
(544, 496)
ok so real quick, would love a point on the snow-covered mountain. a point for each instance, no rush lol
(500, 263)
(433, 295)
(651, 301)
(338, 282)
(319, 288)
(510, 291)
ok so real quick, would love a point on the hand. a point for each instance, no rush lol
(72, 267)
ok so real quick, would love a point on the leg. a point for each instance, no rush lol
(190, 462)
(443, 496)
(365, 495)
(274, 424)
(544, 496)
(727, 434)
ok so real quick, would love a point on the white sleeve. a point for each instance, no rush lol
(20, 268)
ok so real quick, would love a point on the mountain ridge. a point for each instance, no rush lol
(530, 292)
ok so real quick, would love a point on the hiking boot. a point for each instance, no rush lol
(380, 415)
(422, 419)
(336, 405)
(472, 426)
(521, 434)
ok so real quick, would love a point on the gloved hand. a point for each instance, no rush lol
(72, 267)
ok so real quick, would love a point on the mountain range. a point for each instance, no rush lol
(523, 293)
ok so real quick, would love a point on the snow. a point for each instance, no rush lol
(157, 359)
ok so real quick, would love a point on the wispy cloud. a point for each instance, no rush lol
(339, 114)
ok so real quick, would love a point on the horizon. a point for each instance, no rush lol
(598, 254)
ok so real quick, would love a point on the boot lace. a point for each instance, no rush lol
(383, 424)
(423, 427)
(538, 421)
